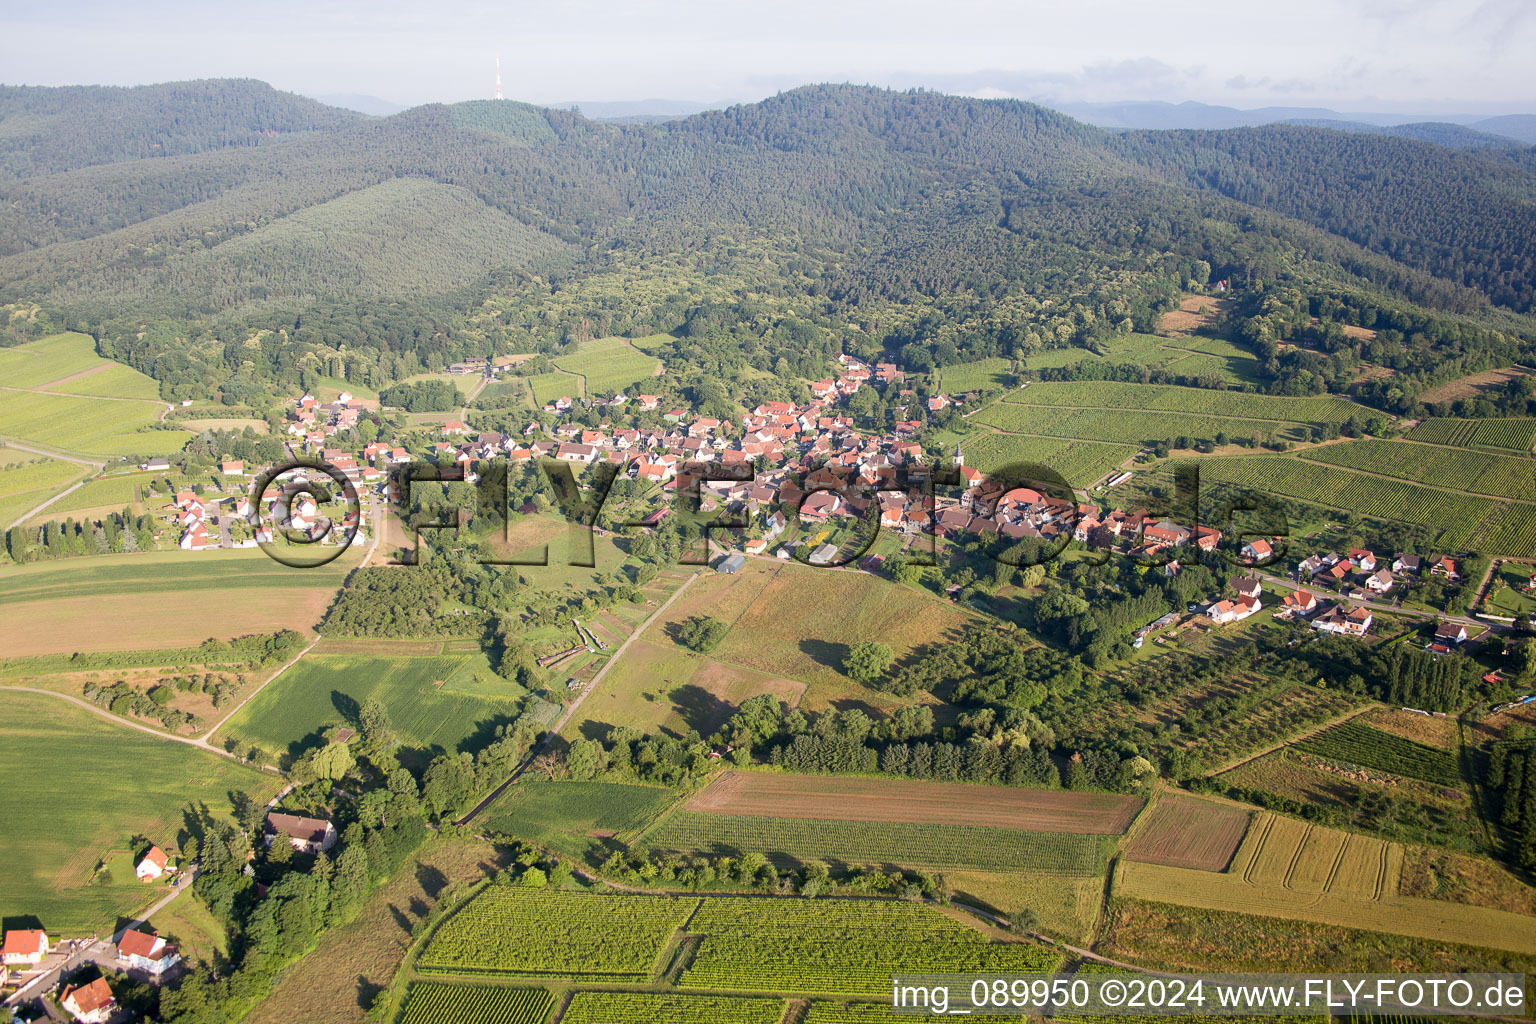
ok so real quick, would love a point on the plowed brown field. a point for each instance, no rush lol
(758, 794)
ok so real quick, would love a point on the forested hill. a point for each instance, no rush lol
(45, 130)
(228, 205)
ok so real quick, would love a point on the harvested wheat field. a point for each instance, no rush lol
(1189, 833)
(763, 795)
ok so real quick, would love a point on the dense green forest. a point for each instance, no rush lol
(229, 239)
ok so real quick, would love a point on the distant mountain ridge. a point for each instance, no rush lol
(1161, 115)
(46, 130)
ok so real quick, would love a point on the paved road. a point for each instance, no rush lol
(98, 466)
(589, 688)
(1390, 609)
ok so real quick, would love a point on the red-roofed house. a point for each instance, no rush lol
(24, 947)
(1257, 550)
(89, 1004)
(152, 865)
(232, 467)
(1299, 602)
(147, 952)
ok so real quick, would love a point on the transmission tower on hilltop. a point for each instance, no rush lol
(498, 76)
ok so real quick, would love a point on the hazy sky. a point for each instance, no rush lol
(1421, 55)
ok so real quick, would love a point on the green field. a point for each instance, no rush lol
(325, 689)
(1133, 425)
(982, 373)
(608, 364)
(66, 802)
(834, 946)
(1478, 472)
(1511, 433)
(651, 341)
(565, 815)
(112, 381)
(857, 842)
(48, 359)
(120, 490)
(429, 1003)
(1507, 594)
(508, 930)
(666, 1008)
(1080, 463)
(1115, 395)
(1385, 751)
(24, 486)
(88, 425)
(546, 387)
(1456, 516)
(1191, 356)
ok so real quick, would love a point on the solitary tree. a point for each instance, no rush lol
(868, 660)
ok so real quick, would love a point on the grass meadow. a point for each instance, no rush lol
(328, 689)
(78, 787)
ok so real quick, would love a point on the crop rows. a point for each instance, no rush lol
(1168, 398)
(1512, 531)
(1388, 752)
(608, 365)
(858, 842)
(1079, 463)
(1457, 516)
(470, 1004)
(660, 1008)
(1478, 472)
(534, 932)
(1131, 426)
(1514, 434)
(839, 946)
(1455, 432)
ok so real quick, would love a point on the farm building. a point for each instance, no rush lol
(731, 564)
(824, 554)
(308, 835)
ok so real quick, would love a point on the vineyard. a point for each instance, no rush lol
(1079, 463)
(875, 1013)
(839, 946)
(1118, 396)
(1457, 516)
(1131, 426)
(430, 1003)
(1478, 472)
(660, 1008)
(608, 365)
(535, 933)
(1513, 434)
(1384, 751)
(857, 842)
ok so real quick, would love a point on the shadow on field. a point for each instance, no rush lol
(367, 992)
(824, 652)
(700, 709)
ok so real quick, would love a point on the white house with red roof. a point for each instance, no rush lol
(152, 866)
(147, 951)
(91, 1003)
(24, 947)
